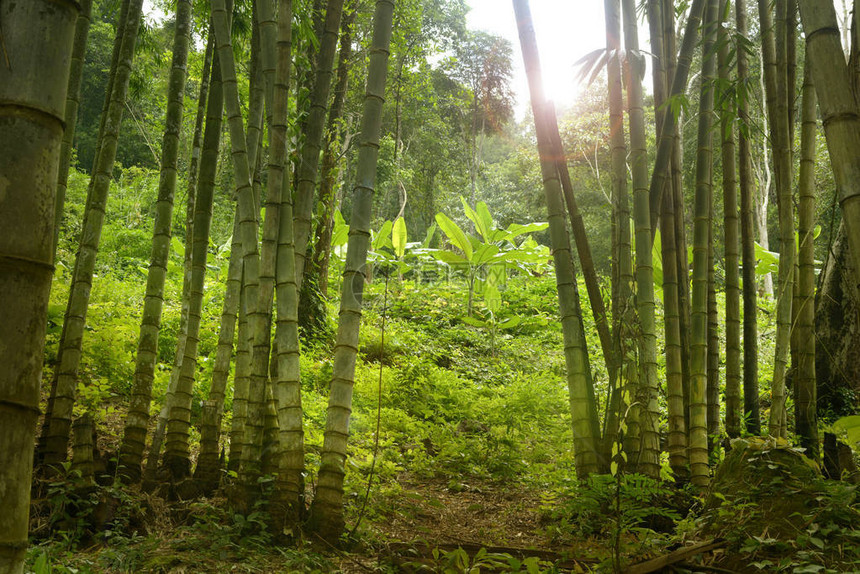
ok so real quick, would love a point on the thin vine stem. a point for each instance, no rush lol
(378, 409)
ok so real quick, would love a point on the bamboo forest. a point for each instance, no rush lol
(443, 286)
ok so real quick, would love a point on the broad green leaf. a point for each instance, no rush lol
(382, 237)
(525, 256)
(493, 298)
(484, 253)
(431, 231)
(510, 322)
(177, 246)
(448, 257)
(470, 213)
(850, 426)
(340, 233)
(455, 234)
(340, 236)
(473, 321)
(485, 221)
(768, 261)
(529, 243)
(398, 236)
(517, 229)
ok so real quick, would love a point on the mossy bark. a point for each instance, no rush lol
(773, 50)
(745, 183)
(581, 395)
(70, 117)
(698, 439)
(805, 392)
(176, 455)
(840, 118)
(32, 104)
(649, 455)
(134, 439)
(666, 140)
(728, 113)
(623, 304)
(306, 178)
(330, 168)
(327, 509)
(71, 342)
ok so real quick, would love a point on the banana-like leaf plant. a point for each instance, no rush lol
(493, 248)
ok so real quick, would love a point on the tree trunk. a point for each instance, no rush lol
(251, 451)
(208, 459)
(331, 155)
(154, 455)
(773, 50)
(701, 258)
(751, 402)
(665, 142)
(731, 241)
(583, 409)
(837, 325)
(288, 504)
(677, 429)
(805, 395)
(624, 315)
(675, 188)
(327, 510)
(583, 250)
(41, 448)
(241, 380)
(70, 117)
(310, 155)
(839, 116)
(69, 354)
(208, 469)
(649, 450)
(32, 99)
(134, 440)
(176, 455)
(713, 347)
(83, 431)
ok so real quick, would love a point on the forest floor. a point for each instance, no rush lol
(471, 468)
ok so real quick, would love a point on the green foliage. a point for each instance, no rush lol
(489, 252)
(588, 509)
(458, 561)
(850, 428)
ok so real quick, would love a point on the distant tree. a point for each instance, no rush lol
(484, 66)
